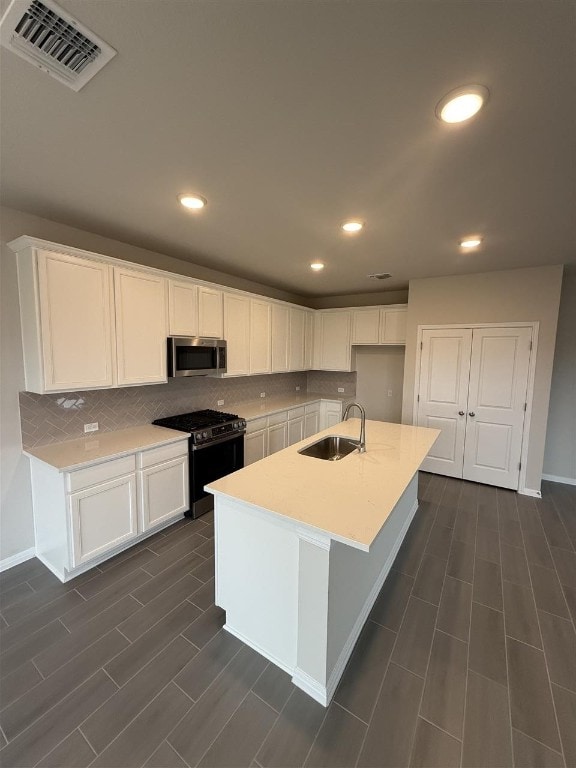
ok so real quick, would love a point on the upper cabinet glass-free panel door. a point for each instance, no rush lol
(260, 336)
(141, 331)
(76, 322)
(182, 308)
(237, 333)
(334, 341)
(366, 326)
(393, 326)
(297, 339)
(280, 331)
(210, 313)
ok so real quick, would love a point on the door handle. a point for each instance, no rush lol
(471, 413)
(460, 413)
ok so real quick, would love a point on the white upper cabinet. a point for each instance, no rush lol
(182, 308)
(366, 326)
(393, 326)
(297, 338)
(66, 309)
(237, 333)
(260, 336)
(210, 313)
(280, 337)
(332, 340)
(140, 299)
(379, 325)
(309, 341)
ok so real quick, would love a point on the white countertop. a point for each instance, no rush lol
(349, 500)
(254, 409)
(74, 454)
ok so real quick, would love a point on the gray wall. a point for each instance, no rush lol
(359, 299)
(380, 370)
(560, 453)
(492, 297)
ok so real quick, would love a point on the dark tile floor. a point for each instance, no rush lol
(469, 657)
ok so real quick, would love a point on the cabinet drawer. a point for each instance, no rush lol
(255, 425)
(296, 413)
(277, 418)
(162, 453)
(312, 408)
(100, 473)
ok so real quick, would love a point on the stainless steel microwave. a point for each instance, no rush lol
(195, 356)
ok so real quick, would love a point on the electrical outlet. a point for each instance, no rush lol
(91, 427)
(297, 389)
(262, 394)
(340, 389)
(220, 402)
(389, 393)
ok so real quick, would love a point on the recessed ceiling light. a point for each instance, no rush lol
(352, 226)
(317, 266)
(193, 202)
(462, 103)
(472, 241)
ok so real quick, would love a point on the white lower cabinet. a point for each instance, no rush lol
(255, 446)
(295, 430)
(330, 413)
(84, 516)
(277, 437)
(311, 419)
(102, 518)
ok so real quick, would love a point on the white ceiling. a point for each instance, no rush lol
(290, 117)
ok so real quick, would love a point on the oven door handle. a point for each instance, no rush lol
(225, 439)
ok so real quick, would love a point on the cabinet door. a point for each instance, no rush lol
(335, 349)
(260, 333)
(311, 424)
(210, 315)
(163, 492)
(277, 438)
(309, 341)
(393, 326)
(366, 326)
(102, 517)
(237, 333)
(295, 430)
(254, 447)
(280, 327)
(76, 322)
(297, 339)
(330, 413)
(182, 308)
(140, 300)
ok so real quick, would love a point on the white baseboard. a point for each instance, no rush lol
(310, 686)
(51, 567)
(258, 649)
(530, 492)
(21, 557)
(558, 479)
(346, 652)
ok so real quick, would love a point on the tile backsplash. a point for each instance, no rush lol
(52, 418)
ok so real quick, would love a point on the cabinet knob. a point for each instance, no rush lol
(460, 413)
(471, 413)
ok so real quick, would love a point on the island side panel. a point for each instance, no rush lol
(257, 580)
(356, 578)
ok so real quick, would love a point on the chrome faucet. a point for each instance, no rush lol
(362, 442)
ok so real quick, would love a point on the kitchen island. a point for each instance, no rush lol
(303, 546)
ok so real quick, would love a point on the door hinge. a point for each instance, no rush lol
(525, 406)
(418, 399)
(530, 345)
(519, 465)
(421, 345)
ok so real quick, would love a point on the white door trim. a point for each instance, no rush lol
(535, 325)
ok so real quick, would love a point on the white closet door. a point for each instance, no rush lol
(496, 399)
(444, 370)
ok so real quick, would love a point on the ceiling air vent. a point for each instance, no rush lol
(53, 40)
(381, 275)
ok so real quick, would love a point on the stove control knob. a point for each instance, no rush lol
(204, 435)
(236, 425)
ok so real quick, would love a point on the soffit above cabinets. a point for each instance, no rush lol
(291, 118)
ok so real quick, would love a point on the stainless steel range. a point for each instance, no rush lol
(216, 448)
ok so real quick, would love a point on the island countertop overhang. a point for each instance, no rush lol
(347, 500)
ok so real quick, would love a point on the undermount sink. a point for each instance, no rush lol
(331, 448)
